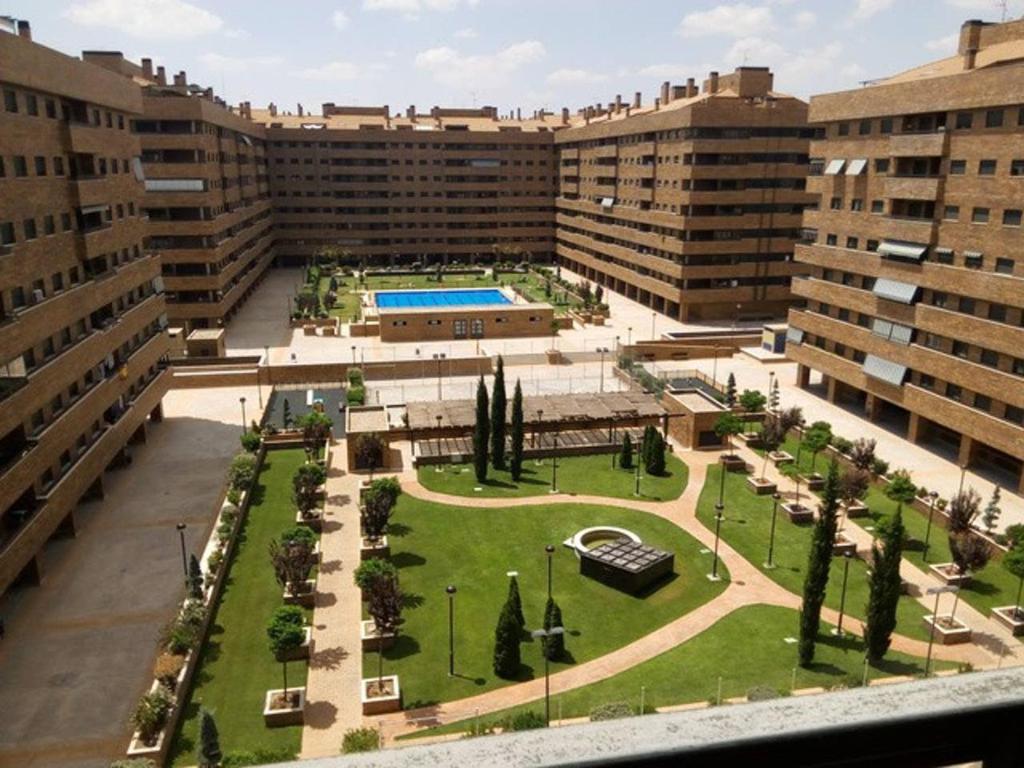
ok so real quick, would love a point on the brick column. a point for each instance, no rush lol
(831, 388)
(1020, 485)
(966, 451)
(914, 428)
(803, 375)
(871, 405)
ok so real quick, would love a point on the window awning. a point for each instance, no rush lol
(881, 328)
(607, 202)
(794, 335)
(901, 334)
(943, 251)
(834, 166)
(101, 208)
(246, 140)
(902, 250)
(856, 166)
(894, 290)
(885, 370)
(972, 254)
(140, 174)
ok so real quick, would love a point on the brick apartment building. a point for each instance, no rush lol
(459, 184)
(691, 206)
(207, 195)
(915, 302)
(81, 309)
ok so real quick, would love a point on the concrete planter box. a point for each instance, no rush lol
(306, 598)
(778, 458)
(814, 482)
(379, 704)
(760, 486)
(1008, 616)
(139, 749)
(302, 652)
(314, 522)
(370, 640)
(948, 574)
(842, 545)
(554, 356)
(379, 549)
(857, 509)
(798, 514)
(752, 439)
(955, 634)
(292, 715)
(733, 463)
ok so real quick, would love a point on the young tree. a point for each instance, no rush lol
(371, 570)
(789, 419)
(862, 453)
(771, 438)
(369, 452)
(385, 608)
(964, 508)
(730, 391)
(1013, 561)
(816, 439)
(305, 484)
(774, 397)
(727, 425)
(554, 645)
(518, 433)
(515, 601)
(901, 488)
(208, 754)
(884, 587)
(286, 416)
(626, 454)
(751, 401)
(292, 562)
(499, 409)
(316, 429)
(819, 562)
(970, 553)
(507, 656)
(481, 433)
(285, 635)
(853, 486)
(195, 578)
(376, 509)
(646, 442)
(990, 516)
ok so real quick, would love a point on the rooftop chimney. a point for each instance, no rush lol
(208, 94)
(300, 110)
(657, 103)
(410, 112)
(691, 88)
(147, 69)
(272, 109)
(519, 114)
(665, 92)
(713, 82)
(618, 103)
(679, 92)
(565, 115)
(24, 30)
(161, 76)
(179, 80)
(636, 100)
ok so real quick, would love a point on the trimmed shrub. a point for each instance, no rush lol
(299, 533)
(371, 570)
(356, 395)
(242, 758)
(360, 740)
(151, 712)
(613, 710)
(761, 693)
(250, 441)
(167, 667)
(355, 377)
(527, 720)
(242, 471)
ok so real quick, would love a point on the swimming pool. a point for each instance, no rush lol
(441, 298)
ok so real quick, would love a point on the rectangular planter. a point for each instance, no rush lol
(315, 523)
(379, 549)
(780, 457)
(801, 514)
(370, 640)
(961, 633)
(857, 509)
(1007, 616)
(306, 599)
(379, 705)
(946, 572)
(761, 487)
(733, 463)
(814, 482)
(295, 715)
(842, 545)
(752, 439)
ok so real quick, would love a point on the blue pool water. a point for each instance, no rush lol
(441, 298)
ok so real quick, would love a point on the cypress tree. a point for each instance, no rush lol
(516, 602)
(506, 644)
(626, 456)
(819, 561)
(554, 646)
(645, 445)
(209, 754)
(516, 463)
(195, 578)
(884, 588)
(499, 406)
(481, 432)
(730, 391)
(655, 464)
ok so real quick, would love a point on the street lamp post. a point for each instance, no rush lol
(184, 558)
(771, 536)
(554, 462)
(713, 576)
(450, 590)
(654, 317)
(353, 354)
(242, 401)
(838, 632)
(629, 336)
(963, 474)
(721, 483)
(636, 490)
(550, 550)
(542, 635)
(439, 417)
(938, 592)
(536, 430)
(603, 351)
(932, 497)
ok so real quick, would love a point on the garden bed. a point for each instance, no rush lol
(948, 630)
(380, 696)
(1010, 617)
(762, 486)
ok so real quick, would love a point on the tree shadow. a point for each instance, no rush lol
(339, 499)
(325, 599)
(981, 587)
(405, 646)
(331, 526)
(320, 714)
(412, 600)
(407, 560)
(328, 658)
(398, 530)
(331, 566)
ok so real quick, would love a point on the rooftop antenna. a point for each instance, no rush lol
(1002, 5)
(472, 95)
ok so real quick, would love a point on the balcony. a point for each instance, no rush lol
(910, 229)
(912, 187)
(918, 144)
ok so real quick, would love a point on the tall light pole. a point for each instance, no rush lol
(550, 550)
(963, 474)
(554, 462)
(636, 475)
(242, 401)
(838, 632)
(353, 354)
(450, 590)
(439, 356)
(603, 351)
(721, 483)
(771, 536)
(536, 430)
(629, 336)
(937, 591)
(713, 576)
(439, 417)
(654, 317)
(932, 497)
(542, 635)
(184, 558)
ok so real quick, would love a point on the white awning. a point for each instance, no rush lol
(943, 251)
(175, 185)
(101, 208)
(856, 166)
(607, 202)
(794, 335)
(834, 167)
(902, 250)
(881, 328)
(894, 290)
(972, 254)
(140, 174)
(246, 140)
(885, 370)
(901, 334)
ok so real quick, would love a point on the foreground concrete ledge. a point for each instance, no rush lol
(677, 733)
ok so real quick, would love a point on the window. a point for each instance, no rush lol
(3, 171)
(830, 239)
(973, 260)
(852, 243)
(932, 341)
(878, 206)
(871, 246)
(951, 212)
(989, 358)
(10, 101)
(20, 166)
(836, 204)
(1004, 266)
(957, 167)
(964, 120)
(987, 168)
(844, 129)
(960, 349)
(58, 166)
(31, 104)
(1017, 366)
(994, 118)
(857, 204)
(6, 233)
(40, 166)
(864, 128)
(1012, 217)
(30, 229)
(1015, 414)
(48, 226)
(885, 125)
(980, 216)
(926, 381)
(1017, 167)
(51, 109)
(983, 402)
(997, 312)
(882, 165)
(967, 305)
(940, 299)
(954, 392)
(65, 222)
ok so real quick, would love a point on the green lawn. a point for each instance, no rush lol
(745, 649)
(576, 474)
(747, 527)
(532, 286)
(435, 545)
(237, 667)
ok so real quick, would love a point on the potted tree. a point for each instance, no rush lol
(307, 485)
(369, 452)
(291, 615)
(963, 510)
(787, 419)
(285, 706)
(149, 718)
(1012, 616)
(862, 453)
(816, 439)
(366, 577)
(293, 561)
(771, 438)
(376, 507)
(726, 426)
(382, 693)
(316, 430)
(751, 401)
(853, 487)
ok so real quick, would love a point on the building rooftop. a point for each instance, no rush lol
(344, 118)
(206, 334)
(371, 418)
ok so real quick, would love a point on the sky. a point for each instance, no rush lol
(528, 54)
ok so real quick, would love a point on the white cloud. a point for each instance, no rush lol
(668, 71)
(797, 71)
(567, 76)
(804, 20)
(339, 19)
(945, 45)
(332, 70)
(237, 34)
(467, 33)
(755, 51)
(223, 63)
(411, 9)
(853, 71)
(867, 8)
(454, 69)
(152, 19)
(739, 20)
